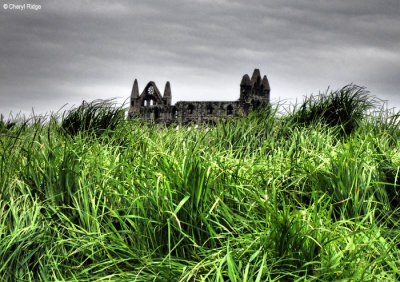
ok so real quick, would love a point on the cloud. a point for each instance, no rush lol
(82, 50)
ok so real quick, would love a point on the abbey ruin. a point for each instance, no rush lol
(151, 106)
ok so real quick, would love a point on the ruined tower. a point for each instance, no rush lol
(254, 92)
(167, 93)
(134, 93)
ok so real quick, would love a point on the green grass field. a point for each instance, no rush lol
(309, 194)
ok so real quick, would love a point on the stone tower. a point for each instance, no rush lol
(134, 93)
(255, 91)
(167, 93)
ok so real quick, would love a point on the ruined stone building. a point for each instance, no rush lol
(150, 105)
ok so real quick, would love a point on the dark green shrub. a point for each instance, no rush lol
(95, 117)
(6, 125)
(344, 108)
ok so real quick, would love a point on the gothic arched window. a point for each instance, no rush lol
(209, 109)
(156, 114)
(174, 113)
(191, 109)
(229, 110)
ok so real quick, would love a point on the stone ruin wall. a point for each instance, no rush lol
(152, 106)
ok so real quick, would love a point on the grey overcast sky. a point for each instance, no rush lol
(69, 51)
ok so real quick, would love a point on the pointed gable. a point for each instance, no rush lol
(245, 80)
(265, 83)
(151, 90)
(167, 90)
(256, 77)
(135, 90)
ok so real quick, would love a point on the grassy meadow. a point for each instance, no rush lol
(307, 194)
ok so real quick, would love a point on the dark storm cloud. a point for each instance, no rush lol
(70, 51)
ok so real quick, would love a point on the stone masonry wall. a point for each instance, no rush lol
(151, 106)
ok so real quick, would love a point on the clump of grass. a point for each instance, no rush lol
(95, 117)
(345, 108)
(6, 125)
